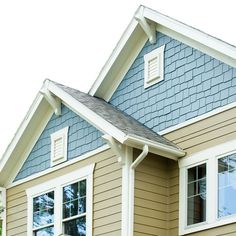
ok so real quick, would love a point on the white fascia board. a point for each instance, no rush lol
(87, 114)
(155, 147)
(20, 131)
(209, 44)
(124, 38)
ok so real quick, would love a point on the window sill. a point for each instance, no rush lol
(206, 226)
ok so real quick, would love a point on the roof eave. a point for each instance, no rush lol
(158, 148)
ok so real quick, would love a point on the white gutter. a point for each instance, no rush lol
(132, 168)
(155, 147)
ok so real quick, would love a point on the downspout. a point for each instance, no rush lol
(132, 168)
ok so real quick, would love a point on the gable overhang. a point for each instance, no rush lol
(25, 137)
(134, 38)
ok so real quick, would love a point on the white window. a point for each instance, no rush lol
(154, 67)
(59, 146)
(2, 211)
(62, 206)
(208, 189)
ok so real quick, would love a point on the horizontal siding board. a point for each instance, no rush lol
(148, 178)
(107, 186)
(110, 219)
(152, 188)
(107, 211)
(107, 229)
(107, 195)
(149, 221)
(143, 211)
(107, 203)
(155, 197)
(107, 178)
(149, 230)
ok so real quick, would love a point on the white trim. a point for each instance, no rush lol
(111, 60)
(58, 167)
(56, 185)
(3, 215)
(34, 138)
(20, 131)
(210, 44)
(125, 215)
(209, 156)
(60, 134)
(158, 53)
(198, 118)
(149, 29)
(87, 114)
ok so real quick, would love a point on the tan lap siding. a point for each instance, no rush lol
(206, 133)
(197, 137)
(107, 196)
(173, 171)
(227, 230)
(152, 197)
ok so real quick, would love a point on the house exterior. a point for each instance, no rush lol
(150, 150)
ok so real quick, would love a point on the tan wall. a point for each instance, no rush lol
(197, 137)
(107, 197)
(206, 133)
(156, 190)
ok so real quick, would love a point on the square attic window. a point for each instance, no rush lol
(59, 146)
(154, 67)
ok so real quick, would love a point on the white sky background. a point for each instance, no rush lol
(69, 41)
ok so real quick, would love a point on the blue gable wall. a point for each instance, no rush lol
(194, 83)
(82, 138)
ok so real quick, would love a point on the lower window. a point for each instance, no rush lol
(208, 189)
(226, 185)
(65, 208)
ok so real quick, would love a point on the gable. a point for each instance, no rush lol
(194, 83)
(82, 138)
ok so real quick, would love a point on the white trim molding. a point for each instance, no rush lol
(3, 210)
(209, 156)
(198, 118)
(56, 185)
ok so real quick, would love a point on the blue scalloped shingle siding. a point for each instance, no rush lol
(82, 138)
(194, 83)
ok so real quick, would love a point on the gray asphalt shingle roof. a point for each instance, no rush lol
(116, 117)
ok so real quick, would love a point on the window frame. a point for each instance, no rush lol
(158, 52)
(57, 185)
(209, 156)
(3, 214)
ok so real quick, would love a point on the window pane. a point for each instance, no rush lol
(43, 209)
(75, 227)
(49, 231)
(227, 185)
(74, 199)
(196, 203)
